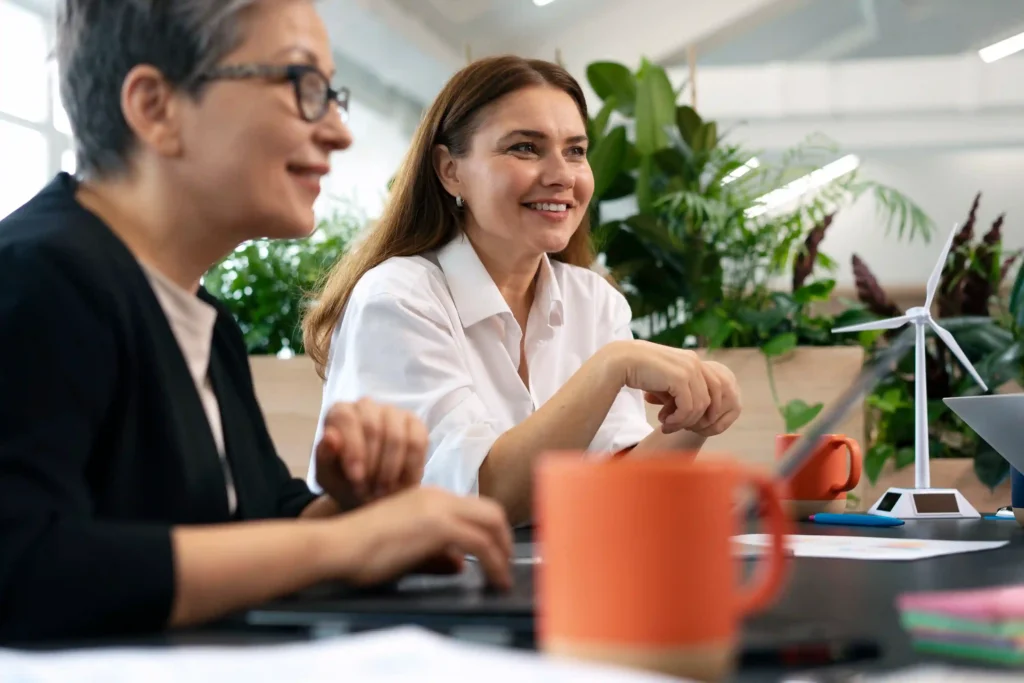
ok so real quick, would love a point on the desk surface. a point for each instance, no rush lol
(857, 594)
(862, 593)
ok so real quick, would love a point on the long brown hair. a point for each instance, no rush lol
(420, 215)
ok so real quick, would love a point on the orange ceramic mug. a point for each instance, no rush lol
(638, 566)
(821, 484)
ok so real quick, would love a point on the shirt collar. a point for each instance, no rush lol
(476, 296)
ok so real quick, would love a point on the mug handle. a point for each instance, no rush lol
(762, 589)
(855, 464)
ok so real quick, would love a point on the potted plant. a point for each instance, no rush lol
(701, 255)
(970, 304)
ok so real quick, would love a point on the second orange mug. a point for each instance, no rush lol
(821, 484)
(639, 565)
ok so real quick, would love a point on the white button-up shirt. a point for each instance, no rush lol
(433, 335)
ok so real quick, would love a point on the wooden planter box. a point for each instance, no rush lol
(812, 373)
(290, 394)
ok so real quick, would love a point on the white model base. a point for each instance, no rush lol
(923, 504)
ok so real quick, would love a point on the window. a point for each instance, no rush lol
(60, 116)
(34, 128)
(23, 72)
(68, 163)
(23, 165)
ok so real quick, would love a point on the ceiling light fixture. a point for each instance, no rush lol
(541, 3)
(741, 171)
(1004, 48)
(804, 184)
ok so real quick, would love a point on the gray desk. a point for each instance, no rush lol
(854, 595)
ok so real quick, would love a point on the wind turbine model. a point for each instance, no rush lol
(922, 501)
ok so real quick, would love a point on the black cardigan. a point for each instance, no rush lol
(104, 444)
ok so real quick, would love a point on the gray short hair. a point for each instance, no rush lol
(100, 41)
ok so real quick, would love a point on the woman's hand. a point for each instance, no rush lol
(698, 396)
(670, 377)
(725, 404)
(419, 528)
(369, 451)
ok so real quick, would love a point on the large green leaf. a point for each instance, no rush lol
(610, 79)
(762, 322)
(853, 316)
(904, 457)
(600, 122)
(606, 159)
(814, 291)
(688, 121)
(622, 185)
(655, 109)
(990, 467)
(671, 161)
(632, 160)
(653, 234)
(1002, 365)
(644, 180)
(798, 414)
(1017, 302)
(875, 459)
(776, 346)
(706, 138)
(714, 327)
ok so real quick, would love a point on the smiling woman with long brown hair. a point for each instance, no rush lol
(471, 303)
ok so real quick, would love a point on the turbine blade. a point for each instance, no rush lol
(933, 279)
(888, 324)
(945, 336)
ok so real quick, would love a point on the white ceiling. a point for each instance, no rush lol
(828, 30)
(500, 26)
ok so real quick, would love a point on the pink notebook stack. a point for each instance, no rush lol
(985, 624)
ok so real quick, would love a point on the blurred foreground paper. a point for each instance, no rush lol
(400, 655)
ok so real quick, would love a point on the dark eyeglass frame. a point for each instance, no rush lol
(295, 73)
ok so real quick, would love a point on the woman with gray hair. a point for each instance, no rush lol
(139, 488)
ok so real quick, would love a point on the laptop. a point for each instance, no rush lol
(996, 418)
(462, 605)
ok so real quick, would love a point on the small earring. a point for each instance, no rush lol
(458, 201)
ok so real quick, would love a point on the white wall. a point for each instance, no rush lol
(943, 183)
(361, 173)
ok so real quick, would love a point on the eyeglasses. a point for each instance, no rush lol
(313, 92)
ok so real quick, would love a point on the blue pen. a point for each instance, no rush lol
(852, 519)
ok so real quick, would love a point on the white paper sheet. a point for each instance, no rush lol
(869, 548)
(400, 655)
(944, 674)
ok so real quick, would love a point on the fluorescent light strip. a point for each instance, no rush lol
(1004, 48)
(741, 171)
(541, 3)
(804, 184)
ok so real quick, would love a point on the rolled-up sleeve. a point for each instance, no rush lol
(626, 424)
(400, 351)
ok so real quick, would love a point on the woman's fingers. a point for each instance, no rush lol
(394, 446)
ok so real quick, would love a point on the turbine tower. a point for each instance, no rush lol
(936, 502)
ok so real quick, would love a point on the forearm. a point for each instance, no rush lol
(677, 441)
(221, 569)
(568, 421)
